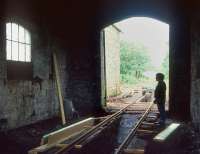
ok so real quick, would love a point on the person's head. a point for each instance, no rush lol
(160, 77)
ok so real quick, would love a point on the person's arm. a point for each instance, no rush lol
(157, 93)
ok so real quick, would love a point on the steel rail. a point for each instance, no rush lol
(133, 131)
(84, 136)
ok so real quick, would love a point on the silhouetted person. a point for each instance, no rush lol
(160, 96)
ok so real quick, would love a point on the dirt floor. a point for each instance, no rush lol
(19, 141)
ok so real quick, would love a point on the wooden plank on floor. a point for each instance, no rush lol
(62, 134)
(162, 136)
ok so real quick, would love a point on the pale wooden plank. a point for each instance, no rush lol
(67, 132)
(165, 133)
(59, 88)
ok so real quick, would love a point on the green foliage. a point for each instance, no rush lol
(134, 61)
(165, 66)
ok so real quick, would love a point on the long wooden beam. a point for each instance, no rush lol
(58, 85)
(56, 138)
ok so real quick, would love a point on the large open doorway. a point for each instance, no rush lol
(135, 49)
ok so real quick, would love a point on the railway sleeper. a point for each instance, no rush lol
(150, 119)
(144, 131)
(147, 127)
(133, 151)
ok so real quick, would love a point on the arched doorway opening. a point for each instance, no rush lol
(133, 51)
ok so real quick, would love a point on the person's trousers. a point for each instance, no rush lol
(161, 109)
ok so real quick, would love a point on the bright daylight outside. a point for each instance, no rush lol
(135, 50)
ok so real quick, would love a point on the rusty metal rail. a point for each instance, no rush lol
(133, 131)
(89, 133)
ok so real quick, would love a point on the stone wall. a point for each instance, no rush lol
(195, 73)
(27, 101)
(112, 60)
(75, 39)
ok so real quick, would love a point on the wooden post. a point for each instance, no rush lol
(59, 88)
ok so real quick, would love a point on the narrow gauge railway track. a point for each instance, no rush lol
(85, 138)
(133, 131)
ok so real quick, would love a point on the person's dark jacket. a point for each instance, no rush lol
(160, 92)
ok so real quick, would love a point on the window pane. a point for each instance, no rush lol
(28, 38)
(28, 53)
(21, 52)
(8, 50)
(21, 34)
(14, 32)
(14, 51)
(19, 48)
(8, 31)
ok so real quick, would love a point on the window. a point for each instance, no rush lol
(18, 43)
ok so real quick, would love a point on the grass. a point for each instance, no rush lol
(130, 81)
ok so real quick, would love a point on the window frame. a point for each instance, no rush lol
(18, 70)
(25, 42)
